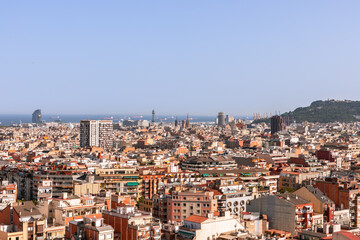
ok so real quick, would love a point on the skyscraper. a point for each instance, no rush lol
(153, 116)
(183, 124)
(96, 133)
(276, 124)
(221, 119)
(36, 116)
(187, 121)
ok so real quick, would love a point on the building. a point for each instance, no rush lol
(286, 212)
(62, 177)
(132, 224)
(86, 184)
(36, 116)
(322, 204)
(182, 204)
(343, 235)
(121, 180)
(208, 163)
(96, 133)
(67, 208)
(90, 227)
(221, 119)
(42, 190)
(8, 193)
(344, 194)
(204, 228)
(187, 125)
(151, 183)
(159, 207)
(276, 124)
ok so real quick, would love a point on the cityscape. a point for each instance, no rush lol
(179, 120)
(139, 179)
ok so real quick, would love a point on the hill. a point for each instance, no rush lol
(326, 111)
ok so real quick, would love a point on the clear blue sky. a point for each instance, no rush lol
(201, 57)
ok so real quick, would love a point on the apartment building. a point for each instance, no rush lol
(182, 204)
(121, 180)
(285, 212)
(322, 204)
(132, 224)
(345, 194)
(8, 193)
(96, 133)
(90, 227)
(204, 228)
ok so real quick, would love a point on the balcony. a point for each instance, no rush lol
(187, 229)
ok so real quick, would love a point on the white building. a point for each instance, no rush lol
(204, 228)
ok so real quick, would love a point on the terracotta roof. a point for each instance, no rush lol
(196, 219)
(348, 235)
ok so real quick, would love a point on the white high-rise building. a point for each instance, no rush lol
(96, 133)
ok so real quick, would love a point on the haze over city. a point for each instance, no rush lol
(202, 57)
(179, 120)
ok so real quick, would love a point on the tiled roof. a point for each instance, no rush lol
(196, 219)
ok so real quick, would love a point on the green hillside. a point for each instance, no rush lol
(326, 111)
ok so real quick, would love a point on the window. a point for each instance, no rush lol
(109, 236)
(102, 236)
(184, 204)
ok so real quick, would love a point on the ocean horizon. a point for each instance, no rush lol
(9, 119)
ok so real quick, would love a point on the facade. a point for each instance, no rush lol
(159, 207)
(8, 193)
(208, 163)
(68, 208)
(181, 205)
(204, 228)
(87, 186)
(221, 119)
(121, 180)
(36, 116)
(42, 189)
(62, 178)
(132, 224)
(285, 212)
(90, 227)
(344, 194)
(322, 204)
(276, 124)
(96, 133)
(151, 183)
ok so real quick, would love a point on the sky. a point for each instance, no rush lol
(177, 57)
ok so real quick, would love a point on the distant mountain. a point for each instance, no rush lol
(326, 111)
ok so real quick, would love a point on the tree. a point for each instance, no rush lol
(286, 189)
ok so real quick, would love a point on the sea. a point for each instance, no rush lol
(9, 119)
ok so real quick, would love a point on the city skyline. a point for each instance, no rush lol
(178, 57)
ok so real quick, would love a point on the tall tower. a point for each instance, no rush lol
(187, 125)
(276, 124)
(221, 119)
(153, 116)
(96, 133)
(36, 116)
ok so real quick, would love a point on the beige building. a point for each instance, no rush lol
(87, 186)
